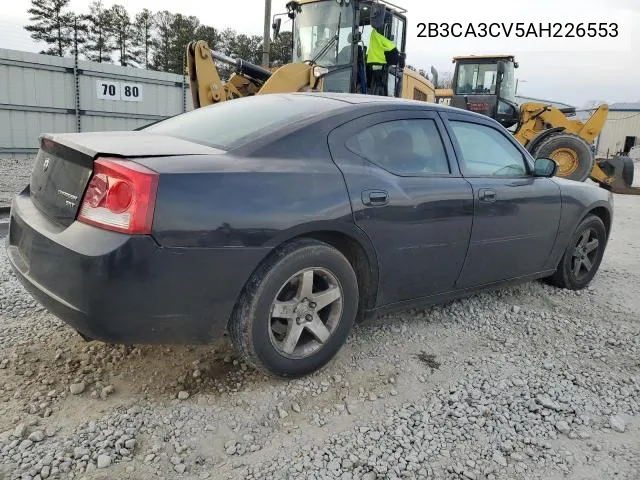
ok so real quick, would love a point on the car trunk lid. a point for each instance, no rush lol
(64, 164)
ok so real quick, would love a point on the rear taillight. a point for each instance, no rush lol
(121, 196)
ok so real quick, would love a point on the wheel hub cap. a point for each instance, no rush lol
(567, 159)
(304, 311)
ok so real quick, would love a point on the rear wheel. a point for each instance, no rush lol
(583, 255)
(573, 155)
(297, 309)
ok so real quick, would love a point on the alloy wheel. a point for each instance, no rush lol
(306, 312)
(585, 254)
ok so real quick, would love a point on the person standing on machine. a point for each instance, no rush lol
(380, 47)
(381, 53)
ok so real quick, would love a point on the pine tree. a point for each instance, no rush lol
(79, 30)
(99, 45)
(247, 48)
(227, 40)
(183, 31)
(209, 35)
(51, 23)
(164, 34)
(122, 32)
(143, 38)
(281, 49)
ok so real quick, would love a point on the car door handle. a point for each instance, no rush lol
(375, 198)
(487, 195)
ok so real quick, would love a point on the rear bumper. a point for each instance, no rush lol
(126, 289)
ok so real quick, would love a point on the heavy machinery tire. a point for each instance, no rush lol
(583, 255)
(573, 155)
(297, 309)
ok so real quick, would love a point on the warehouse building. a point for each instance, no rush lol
(622, 130)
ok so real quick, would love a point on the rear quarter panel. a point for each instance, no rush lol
(227, 201)
(259, 196)
(578, 200)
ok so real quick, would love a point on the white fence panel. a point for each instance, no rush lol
(38, 95)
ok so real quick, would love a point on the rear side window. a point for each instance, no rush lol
(232, 123)
(403, 147)
(486, 152)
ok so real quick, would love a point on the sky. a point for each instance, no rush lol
(573, 71)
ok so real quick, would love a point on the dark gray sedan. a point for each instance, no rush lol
(284, 218)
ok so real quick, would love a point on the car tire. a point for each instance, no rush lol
(272, 312)
(587, 242)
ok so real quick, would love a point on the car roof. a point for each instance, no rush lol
(341, 108)
(359, 99)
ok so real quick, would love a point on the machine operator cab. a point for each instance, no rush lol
(486, 84)
(360, 43)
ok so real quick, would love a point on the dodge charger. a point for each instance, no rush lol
(282, 219)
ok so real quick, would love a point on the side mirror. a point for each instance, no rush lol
(545, 167)
(276, 27)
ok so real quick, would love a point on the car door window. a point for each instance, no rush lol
(403, 147)
(487, 152)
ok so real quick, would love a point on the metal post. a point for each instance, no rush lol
(184, 90)
(76, 78)
(266, 42)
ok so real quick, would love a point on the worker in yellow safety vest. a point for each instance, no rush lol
(381, 52)
(379, 47)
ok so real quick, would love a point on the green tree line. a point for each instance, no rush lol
(150, 40)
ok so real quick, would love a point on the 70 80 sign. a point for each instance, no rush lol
(128, 92)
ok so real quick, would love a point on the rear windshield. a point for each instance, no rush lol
(234, 122)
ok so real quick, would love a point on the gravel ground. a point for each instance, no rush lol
(14, 176)
(525, 382)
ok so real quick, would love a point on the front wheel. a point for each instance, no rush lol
(297, 309)
(582, 256)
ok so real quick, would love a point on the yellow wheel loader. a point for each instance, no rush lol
(330, 43)
(486, 84)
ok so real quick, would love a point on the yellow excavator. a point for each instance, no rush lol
(330, 41)
(486, 84)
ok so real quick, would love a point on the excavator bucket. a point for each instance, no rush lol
(616, 174)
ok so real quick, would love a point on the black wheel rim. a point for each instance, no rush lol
(585, 254)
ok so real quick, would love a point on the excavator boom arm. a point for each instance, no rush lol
(204, 78)
(207, 86)
(536, 117)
